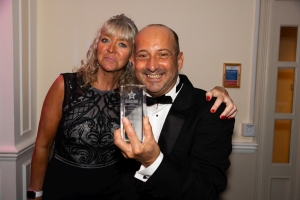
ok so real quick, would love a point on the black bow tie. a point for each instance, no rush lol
(156, 100)
(162, 99)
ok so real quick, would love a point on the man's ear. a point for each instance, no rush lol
(180, 59)
(131, 59)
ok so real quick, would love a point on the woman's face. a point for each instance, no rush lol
(113, 53)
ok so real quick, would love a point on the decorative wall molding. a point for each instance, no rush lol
(25, 177)
(0, 183)
(262, 97)
(24, 65)
(237, 147)
(24, 61)
(244, 147)
(13, 156)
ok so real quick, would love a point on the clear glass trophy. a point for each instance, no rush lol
(133, 106)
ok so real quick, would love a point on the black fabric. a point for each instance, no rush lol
(162, 100)
(64, 182)
(85, 164)
(85, 134)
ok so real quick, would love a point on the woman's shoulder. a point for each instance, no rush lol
(69, 75)
(73, 78)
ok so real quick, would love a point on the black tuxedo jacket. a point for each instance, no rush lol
(196, 145)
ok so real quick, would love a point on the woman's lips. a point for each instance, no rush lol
(110, 59)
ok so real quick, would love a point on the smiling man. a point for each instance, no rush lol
(185, 152)
(157, 60)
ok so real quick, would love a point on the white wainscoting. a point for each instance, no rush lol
(244, 147)
(15, 173)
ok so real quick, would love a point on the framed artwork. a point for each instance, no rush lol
(231, 75)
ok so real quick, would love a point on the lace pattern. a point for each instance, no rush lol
(85, 136)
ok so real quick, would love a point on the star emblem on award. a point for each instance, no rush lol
(131, 95)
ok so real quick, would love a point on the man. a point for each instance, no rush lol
(185, 153)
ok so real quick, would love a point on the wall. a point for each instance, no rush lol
(6, 75)
(7, 167)
(210, 33)
(17, 95)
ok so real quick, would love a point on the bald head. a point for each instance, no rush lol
(160, 28)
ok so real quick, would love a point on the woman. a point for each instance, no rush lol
(79, 116)
(80, 113)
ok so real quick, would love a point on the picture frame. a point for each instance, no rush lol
(232, 75)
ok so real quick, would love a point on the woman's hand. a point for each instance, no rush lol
(222, 96)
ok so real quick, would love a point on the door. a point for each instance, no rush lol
(279, 152)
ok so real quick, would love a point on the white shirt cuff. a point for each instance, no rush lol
(144, 173)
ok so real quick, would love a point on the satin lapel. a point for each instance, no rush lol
(175, 117)
(170, 131)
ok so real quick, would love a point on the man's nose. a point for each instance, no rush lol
(152, 64)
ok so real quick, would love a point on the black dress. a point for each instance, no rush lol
(85, 163)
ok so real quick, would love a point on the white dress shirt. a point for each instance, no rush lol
(157, 114)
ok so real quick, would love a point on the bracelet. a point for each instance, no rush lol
(31, 194)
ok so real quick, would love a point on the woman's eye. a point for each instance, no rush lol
(105, 40)
(123, 45)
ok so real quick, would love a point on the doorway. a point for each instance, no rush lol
(277, 93)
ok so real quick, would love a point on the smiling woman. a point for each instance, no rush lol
(113, 54)
(111, 48)
(80, 114)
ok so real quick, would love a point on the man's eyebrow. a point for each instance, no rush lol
(141, 51)
(160, 50)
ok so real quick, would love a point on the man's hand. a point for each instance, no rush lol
(222, 96)
(145, 152)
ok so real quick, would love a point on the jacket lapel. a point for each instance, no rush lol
(176, 117)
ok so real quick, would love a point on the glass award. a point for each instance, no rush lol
(133, 106)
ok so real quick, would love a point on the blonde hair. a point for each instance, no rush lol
(120, 26)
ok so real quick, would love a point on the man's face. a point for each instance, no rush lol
(155, 62)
